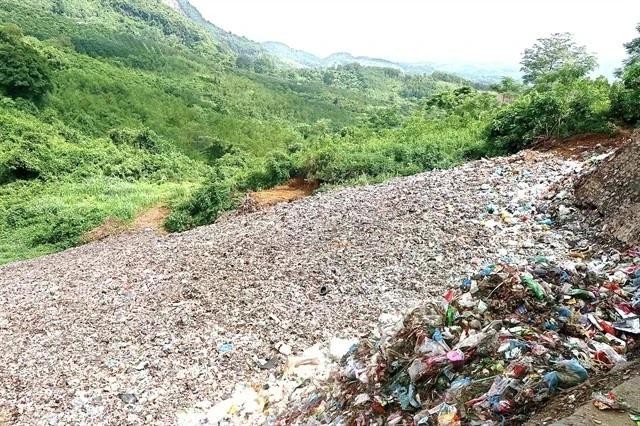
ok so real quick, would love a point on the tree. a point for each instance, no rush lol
(508, 85)
(553, 53)
(244, 62)
(263, 64)
(625, 94)
(24, 72)
(633, 49)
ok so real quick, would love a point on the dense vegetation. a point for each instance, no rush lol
(108, 107)
(625, 94)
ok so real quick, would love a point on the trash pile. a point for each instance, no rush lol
(492, 349)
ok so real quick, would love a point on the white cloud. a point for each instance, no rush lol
(470, 31)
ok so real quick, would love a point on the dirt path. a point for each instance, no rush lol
(584, 146)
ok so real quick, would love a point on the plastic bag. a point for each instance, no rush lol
(501, 406)
(568, 373)
(607, 402)
(579, 293)
(628, 325)
(602, 349)
(467, 301)
(472, 341)
(430, 347)
(416, 370)
(519, 368)
(534, 286)
(447, 415)
(406, 397)
(456, 358)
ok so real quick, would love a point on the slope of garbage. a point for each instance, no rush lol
(491, 349)
(226, 323)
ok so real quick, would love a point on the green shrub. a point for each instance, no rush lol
(559, 105)
(145, 139)
(235, 173)
(24, 72)
(625, 95)
(204, 206)
(464, 102)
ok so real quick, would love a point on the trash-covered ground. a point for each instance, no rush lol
(147, 329)
(493, 349)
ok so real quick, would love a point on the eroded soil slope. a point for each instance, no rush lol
(613, 189)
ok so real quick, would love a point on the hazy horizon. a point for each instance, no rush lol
(458, 31)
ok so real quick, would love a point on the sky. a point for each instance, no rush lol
(456, 31)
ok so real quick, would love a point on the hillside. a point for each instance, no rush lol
(171, 89)
(112, 107)
(230, 42)
(290, 57)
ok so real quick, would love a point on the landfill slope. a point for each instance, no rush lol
(135, 328)
(613, 188)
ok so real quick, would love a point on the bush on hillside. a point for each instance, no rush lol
(625, 96)
(559, 105)
(145, 139)
(235, 173)
(464, 102)
(24, 72)
(204, 206)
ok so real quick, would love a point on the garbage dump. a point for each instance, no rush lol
(494, 348)
(490, 350)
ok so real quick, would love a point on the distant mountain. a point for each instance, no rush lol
(288, 56)
(292, 57)
(487, 73)
(227, 41)
(301, 59)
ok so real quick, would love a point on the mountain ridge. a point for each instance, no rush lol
(300, 59)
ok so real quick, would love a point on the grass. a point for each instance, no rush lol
(143, 102)
(49, 217)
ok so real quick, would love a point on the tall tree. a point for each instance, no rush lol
(553, 53)
(633, 49)
(625, 94)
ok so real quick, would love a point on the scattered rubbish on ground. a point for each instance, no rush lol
(255, 281)
(225, 347)
(608, 402)
(508, 338)
(128, 398)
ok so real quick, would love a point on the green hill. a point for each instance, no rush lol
(140, 101)
(109, 107)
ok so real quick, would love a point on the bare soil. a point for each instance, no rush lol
(568, 400)
(586, 145)
(152, 218)
(295, 189)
